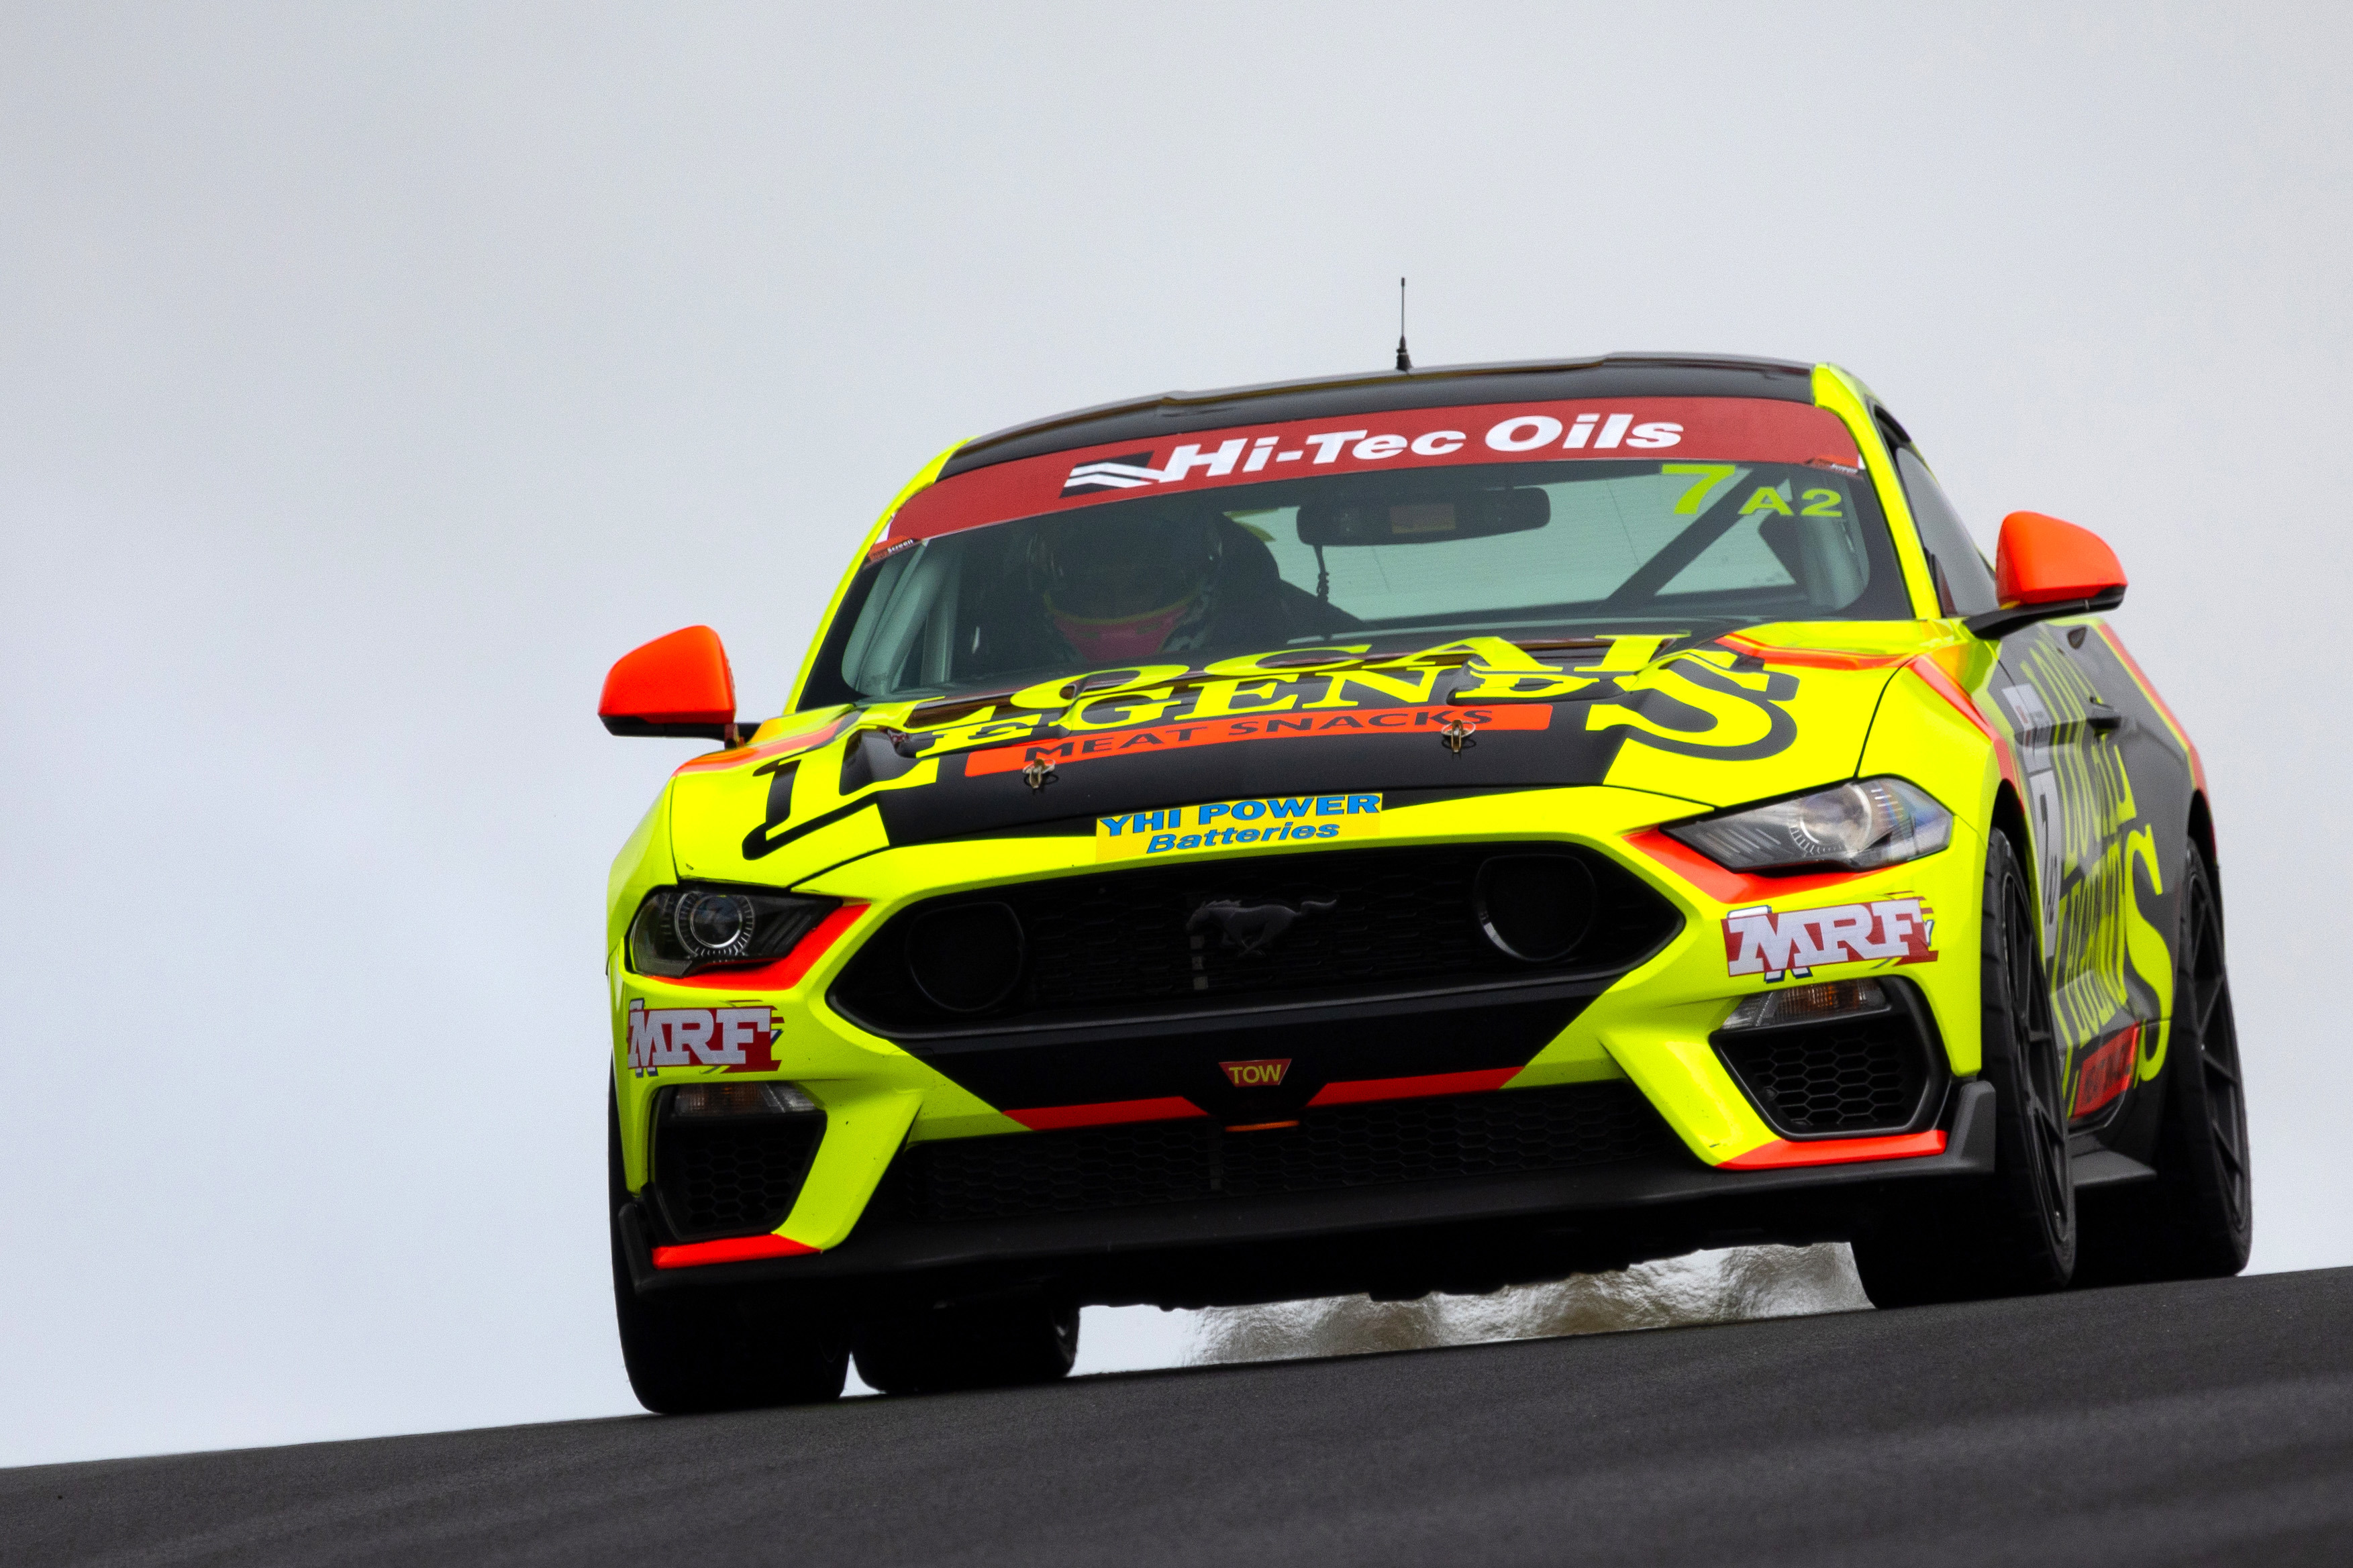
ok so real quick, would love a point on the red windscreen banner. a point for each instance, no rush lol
(1674, 429)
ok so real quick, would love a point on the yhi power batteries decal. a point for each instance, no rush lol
(1798, 942)
(1222, 824)
(732, 1039)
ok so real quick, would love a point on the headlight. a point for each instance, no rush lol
(682, 929)
(1859, 825)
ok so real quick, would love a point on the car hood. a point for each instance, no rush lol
(1763, 713)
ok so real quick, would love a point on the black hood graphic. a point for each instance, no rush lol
(1725, 711)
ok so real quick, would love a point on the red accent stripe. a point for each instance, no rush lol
(787, 971)
(1945, 685)
(2106, 1072)
(1809, 657)
(1835, 1152)
(734, 1249)
(799, 740)
(1356, 1092)
(1726, 886)
(1049, 1118)
(2148, 689)
(1933, 676)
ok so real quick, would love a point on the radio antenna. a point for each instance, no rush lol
(1405, 359)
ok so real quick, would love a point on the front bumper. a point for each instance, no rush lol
(1464, 1232)
(1650, 1026)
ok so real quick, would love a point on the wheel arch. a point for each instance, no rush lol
(2009, 818)
(2202, 833)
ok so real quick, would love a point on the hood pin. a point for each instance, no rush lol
(1039, 773)
(1456, 733)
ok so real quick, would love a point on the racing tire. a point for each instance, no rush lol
(2196, 1219)
(717, 1347)
(1001, 1343)
(2014, 1234)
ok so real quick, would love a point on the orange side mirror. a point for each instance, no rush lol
(2041, 561)
(2043, 567)
(677, 685)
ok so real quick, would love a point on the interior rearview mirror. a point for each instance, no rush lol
(2043, 568)
(676, 684)
(1424, 520)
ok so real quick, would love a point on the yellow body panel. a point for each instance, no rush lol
(1843, 396)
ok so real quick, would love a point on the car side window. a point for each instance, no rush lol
(1963, 579)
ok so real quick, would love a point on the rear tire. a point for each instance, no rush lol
(2014, 1234)
(997, 1344)
(2196, 1220)
(716, 1347)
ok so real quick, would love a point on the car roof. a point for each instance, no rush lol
(1606, 375)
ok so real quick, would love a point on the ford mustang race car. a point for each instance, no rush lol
(1422, 831)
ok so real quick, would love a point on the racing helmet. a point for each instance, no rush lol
(1117, 586)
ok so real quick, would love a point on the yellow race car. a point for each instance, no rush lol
(1411, 832)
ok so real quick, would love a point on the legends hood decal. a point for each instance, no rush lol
(1712, 724)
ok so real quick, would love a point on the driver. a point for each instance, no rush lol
(1119, 589)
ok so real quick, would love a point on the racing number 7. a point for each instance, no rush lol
(1711, 475)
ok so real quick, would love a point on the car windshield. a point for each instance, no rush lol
(1525, 550)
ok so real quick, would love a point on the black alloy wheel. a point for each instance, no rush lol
(2196, 1220)
(2014, 1234)
(2032, 1078)
(716, 1347)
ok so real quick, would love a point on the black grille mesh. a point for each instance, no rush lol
(1342, 1146)
(1124, 936)
(1866, 1075)
(1398, 918)
(732, 1177)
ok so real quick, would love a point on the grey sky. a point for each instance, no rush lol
(370, 377)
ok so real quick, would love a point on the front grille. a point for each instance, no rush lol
(732, 1176)
(1125, 1166)
(1127, 940)
(1867, 1074)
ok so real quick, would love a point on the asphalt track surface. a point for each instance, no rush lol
(2199, 1423)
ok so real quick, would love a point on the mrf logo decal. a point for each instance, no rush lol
(732, 1039)
(1798, 942)
(1263, 1074)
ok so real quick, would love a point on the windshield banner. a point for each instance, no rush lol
(1739, 429)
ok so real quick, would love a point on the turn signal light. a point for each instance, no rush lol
(739, 1099)
(1808, 1004)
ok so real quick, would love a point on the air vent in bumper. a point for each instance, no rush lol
(1846, 1076)
(729, 1175)
(1497, 1133)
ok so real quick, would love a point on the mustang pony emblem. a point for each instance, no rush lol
(1252, 926)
